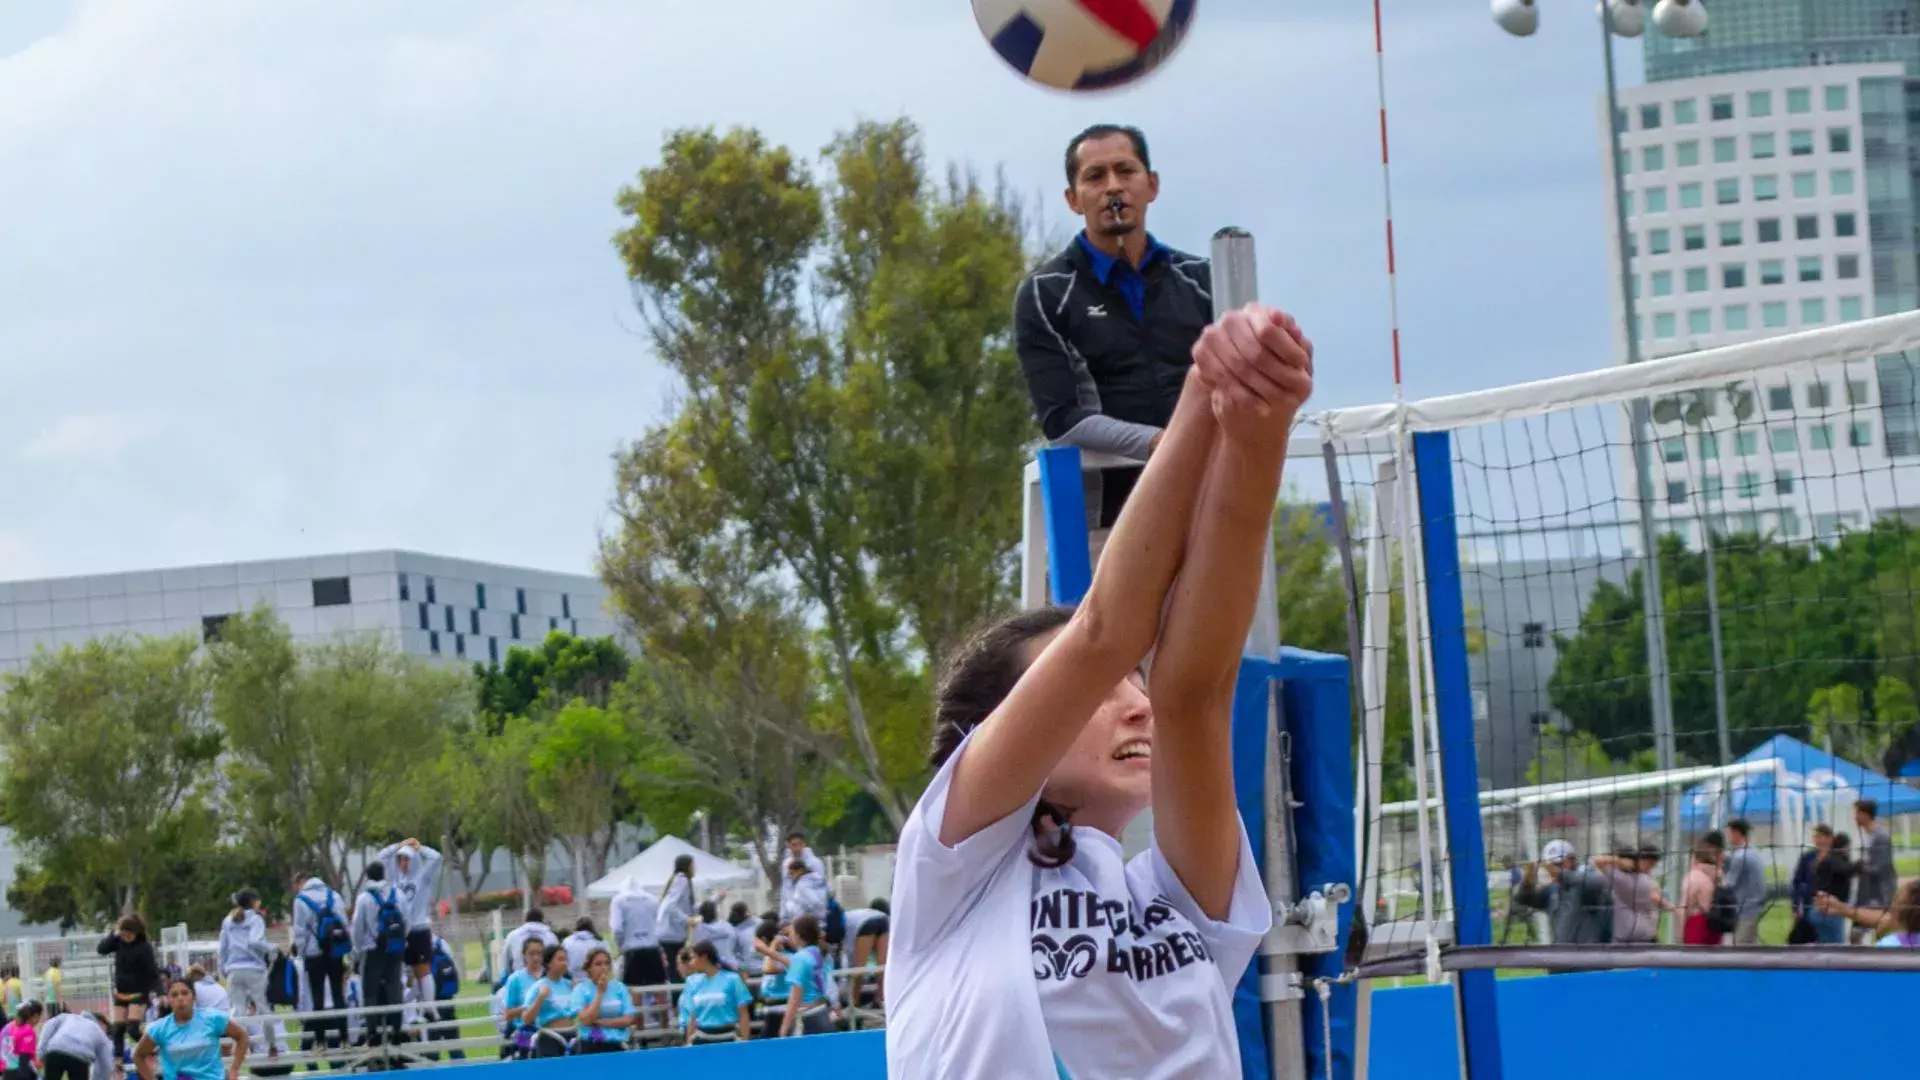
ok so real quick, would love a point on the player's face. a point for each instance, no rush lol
(1112, 188)
(1106, 777)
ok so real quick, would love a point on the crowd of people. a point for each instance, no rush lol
(685, 967)
(1837, 896)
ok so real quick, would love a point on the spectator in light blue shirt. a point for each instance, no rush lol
(186, 1041)
(810, 979)
(716, 1005)
(515, 994)
(551, 1005)
(603, 1005)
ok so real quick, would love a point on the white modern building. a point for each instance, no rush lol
(450, 610)
(1761, 203)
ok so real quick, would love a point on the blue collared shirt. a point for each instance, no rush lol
(1122, 275)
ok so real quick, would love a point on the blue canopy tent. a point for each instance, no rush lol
(1825, 786)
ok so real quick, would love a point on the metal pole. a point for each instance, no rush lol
(1236, 284)
(1660, 689)
(1713, 630)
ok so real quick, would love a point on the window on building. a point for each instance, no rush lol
(1746, 442)
(1733, 275)
(1839, 140)
(431, 598)
(1620, 124)
(460, 645)
(1730, 234)
(1836, 98)
(1727, 192)
(1809, 267)
(1696, 279)
(1800, 100)
(1655, 199)
(513, 627)
(1659, 241)
(1850, 311)
(1726, 151)
(1676, 493)
(448, 611)
(1860, 434)
(1686, 111)
(1686, 153)
(1806, 185)
(1806, 227)
(1748, 485)
(1846, 224)
(426, 619)
(1840, 182)
(1662, 282)
(1633, 285)
(480, 595)
(1819, 394)
(1780, 398)
(520, 601)
(1783, 481)
(1653, 158)
(1766, 230)
(566, 606)
(1633, 244)
(332, 592)
(433, 642)
(473, 623)
(1720, 106)
(1858, 391)
(1813, 311)
(1699, 321)
(1765, 188)
(1694, 237)
(1690, 197)
(1709, 446)
(493, 650)
(405, 590)
(1773, 315)
(1710, 488)
(1626, 203)
(1649, 117)
(1799, 143)
(1760, 144)
(1846, 267)
(1533, 635)
(1820, 437)
(1733, 317)
(553, 622)
(211, 626)
(1665, 326)
(1759, 103)
(1789, 522)
(1772, 272)
(1673, 449)
(1783, 440)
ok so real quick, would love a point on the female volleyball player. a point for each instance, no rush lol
(1023, 944)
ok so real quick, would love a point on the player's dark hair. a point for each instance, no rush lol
(881, 905)
(534, 914)
(738, 913)
(1867, 807)
(806, 928)
(1101, 131)
(1742, 826)
(584, 924)
(978, 676)
(709, 912)
(796, 835)
(704, 950)
(547, 954)
(376, 872)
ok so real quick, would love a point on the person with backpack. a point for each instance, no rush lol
(244, 954)
(1697, 896)
(810, 997)
(445, 972)
(380, 940)
(323, 940)
(414, 870)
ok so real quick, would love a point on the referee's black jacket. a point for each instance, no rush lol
(1087, 357)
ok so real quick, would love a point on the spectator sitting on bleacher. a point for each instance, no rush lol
(516, 993)
(720, 935)
(551, 1006)
(740, 919)
(716, 1005)
(604, 1007)
(536, 928)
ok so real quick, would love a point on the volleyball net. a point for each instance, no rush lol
(1554, 729)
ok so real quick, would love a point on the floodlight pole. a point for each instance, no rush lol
(1659, 686)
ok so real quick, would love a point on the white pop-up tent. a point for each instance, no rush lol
(651, 868)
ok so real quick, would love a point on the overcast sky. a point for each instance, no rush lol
(317, 275)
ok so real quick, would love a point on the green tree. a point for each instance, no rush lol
(331, 746)
(852, 401)
(473, 823)
(507, 770)
(582, 771)
(106, 763)
(545, 679)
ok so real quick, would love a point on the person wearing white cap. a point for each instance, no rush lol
(1577, 899)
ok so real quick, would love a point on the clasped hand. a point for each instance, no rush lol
(1258, 370)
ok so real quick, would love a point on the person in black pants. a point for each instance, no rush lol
(136, 979)
(1105, 329)
(382, 951)
(75, 1046)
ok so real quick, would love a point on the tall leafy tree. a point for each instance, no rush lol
(106, 766)
(582, 771)
(852, 400)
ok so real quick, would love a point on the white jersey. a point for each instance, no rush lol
(676, 909)
(1101, 968)
(633, 920)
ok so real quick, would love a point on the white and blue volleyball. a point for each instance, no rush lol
(1084, 44)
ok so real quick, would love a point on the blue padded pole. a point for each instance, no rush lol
(1251, 703)
(1069, 563)
(1459, 769)
(1317, 709)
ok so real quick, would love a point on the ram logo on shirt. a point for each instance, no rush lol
(1076, 931)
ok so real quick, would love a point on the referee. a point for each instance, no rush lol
(1105, 329)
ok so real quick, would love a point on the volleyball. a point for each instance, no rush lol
(1084, 44)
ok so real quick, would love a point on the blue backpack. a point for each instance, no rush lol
(834, 927)
(446, 976)
(389, 924)
(330, 934)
